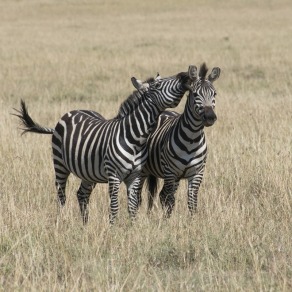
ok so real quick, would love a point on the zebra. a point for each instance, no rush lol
(177, 148)
(112, 151)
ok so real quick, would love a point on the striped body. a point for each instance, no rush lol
(86, 145)
(177, 147)
(110, 151)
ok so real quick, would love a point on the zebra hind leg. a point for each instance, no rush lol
(83, 195)
(167, 198)
(152, 182)
(61, 194)
(61, 177)
(61, 191)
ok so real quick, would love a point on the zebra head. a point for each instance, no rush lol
(202, 95)
(166, 92)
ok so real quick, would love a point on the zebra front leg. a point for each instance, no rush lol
(167, 198)
(114, 186)
(83, 195)
(193, 189)
(134, 189)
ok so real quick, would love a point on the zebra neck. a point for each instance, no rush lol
(188, 123)
(142, 120)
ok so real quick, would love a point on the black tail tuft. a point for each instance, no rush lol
(28, 123)
(152, 182)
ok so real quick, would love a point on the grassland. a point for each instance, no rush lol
(64, 55)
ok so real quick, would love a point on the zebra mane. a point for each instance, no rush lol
(183, 76)
(203, 71)
(132, 102)
(136, 98)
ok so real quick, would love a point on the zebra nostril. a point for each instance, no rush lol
(209, 118)
(209, 115)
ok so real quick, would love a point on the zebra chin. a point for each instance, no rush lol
(209, 123)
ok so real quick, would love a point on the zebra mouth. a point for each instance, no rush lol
(208, 122)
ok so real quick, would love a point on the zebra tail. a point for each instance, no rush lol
(28, 123)
(152, 182)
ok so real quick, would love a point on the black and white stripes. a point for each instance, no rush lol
(177, 147)
(98, 150)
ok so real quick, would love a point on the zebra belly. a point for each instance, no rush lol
(90, 169)
(95, 150)
(97, 167)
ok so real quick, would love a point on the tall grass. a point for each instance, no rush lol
(60, 56)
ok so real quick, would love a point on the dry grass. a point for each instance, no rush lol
(81, 54)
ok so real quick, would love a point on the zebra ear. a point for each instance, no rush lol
(137, 83)
(193, 72)
(158, 77)
(214, 75)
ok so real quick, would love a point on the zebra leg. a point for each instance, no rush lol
(61, 177)
(61, 190)
(139, 190)
(83, 195)
(134, 189)
(60, 182)
(166, 196)
(114, 186)
(61, 195)
(193, 189)
(152, 182)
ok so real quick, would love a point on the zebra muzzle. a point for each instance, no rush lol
(209, 117)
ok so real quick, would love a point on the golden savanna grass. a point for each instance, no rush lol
(64, 55)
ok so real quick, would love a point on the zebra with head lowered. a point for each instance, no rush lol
(109, 151)
(177, 147)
